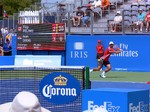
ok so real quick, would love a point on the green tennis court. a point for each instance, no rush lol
(121, 76)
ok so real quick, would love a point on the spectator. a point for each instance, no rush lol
(7, 48)
(61, 12)
(147, 19)
(23, 102)
(140, 22)
(87, 15)
(105, 5)
(4, 31)
(96, 3)
(136, 2)
(1, 51)
(77, 17)
(1, 37)
(116, 22)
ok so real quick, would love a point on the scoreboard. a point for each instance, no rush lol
(41, 36)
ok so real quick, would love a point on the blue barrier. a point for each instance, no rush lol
(115, 100)
(7, 60)
(81, 51)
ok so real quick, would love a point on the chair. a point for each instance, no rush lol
(127, 24)
(127, 18)
(134, 13)
(134, 8)
(143, 7)
(127, 13)
(133, 20)
(97, 13)
(147, 6)
(119, 2)
(134, 5)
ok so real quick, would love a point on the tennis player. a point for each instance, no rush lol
(100, 53)
(105, 58)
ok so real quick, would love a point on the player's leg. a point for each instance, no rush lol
(147, 26)
(100, 63)
(108, 68)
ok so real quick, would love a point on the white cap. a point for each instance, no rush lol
(111, 42)
(23, 102)
(118, 12)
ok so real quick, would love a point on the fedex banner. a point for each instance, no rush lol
(127, 100)
(81, 51)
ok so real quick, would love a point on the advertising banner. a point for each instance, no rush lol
(81, 51)
(127, 100)
(38, 60)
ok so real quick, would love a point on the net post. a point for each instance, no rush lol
(87, 78)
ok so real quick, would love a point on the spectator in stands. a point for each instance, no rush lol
(1, 51)
(147, 20)
(4, 31)
(87, 15)
(136, 2)
(104, 6)
(140, 22)
(96, 3)
(7, 48)
(77, 18)
(116, 22)
(61, 12)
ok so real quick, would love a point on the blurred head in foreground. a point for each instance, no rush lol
(23, 102)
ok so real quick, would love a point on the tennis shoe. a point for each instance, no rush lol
(103, 75)
(91, 70)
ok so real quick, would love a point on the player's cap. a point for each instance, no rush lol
(23, 102)
(99, 41)
(111, 42)
(140, 10)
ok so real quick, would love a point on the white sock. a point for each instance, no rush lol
(103, 72)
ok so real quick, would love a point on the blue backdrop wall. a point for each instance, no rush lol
(81, 51)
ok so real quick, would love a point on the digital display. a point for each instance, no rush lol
(41, 36)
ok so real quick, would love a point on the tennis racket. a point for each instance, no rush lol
(117, 48)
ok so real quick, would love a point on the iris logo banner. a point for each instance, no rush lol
(60, 88)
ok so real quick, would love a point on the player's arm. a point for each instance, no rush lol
(115, 51)
(118, 51)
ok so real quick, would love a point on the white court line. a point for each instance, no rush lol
(116, 81)
(67, 105)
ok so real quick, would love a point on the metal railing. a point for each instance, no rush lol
(102, 26)
(97, 24)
